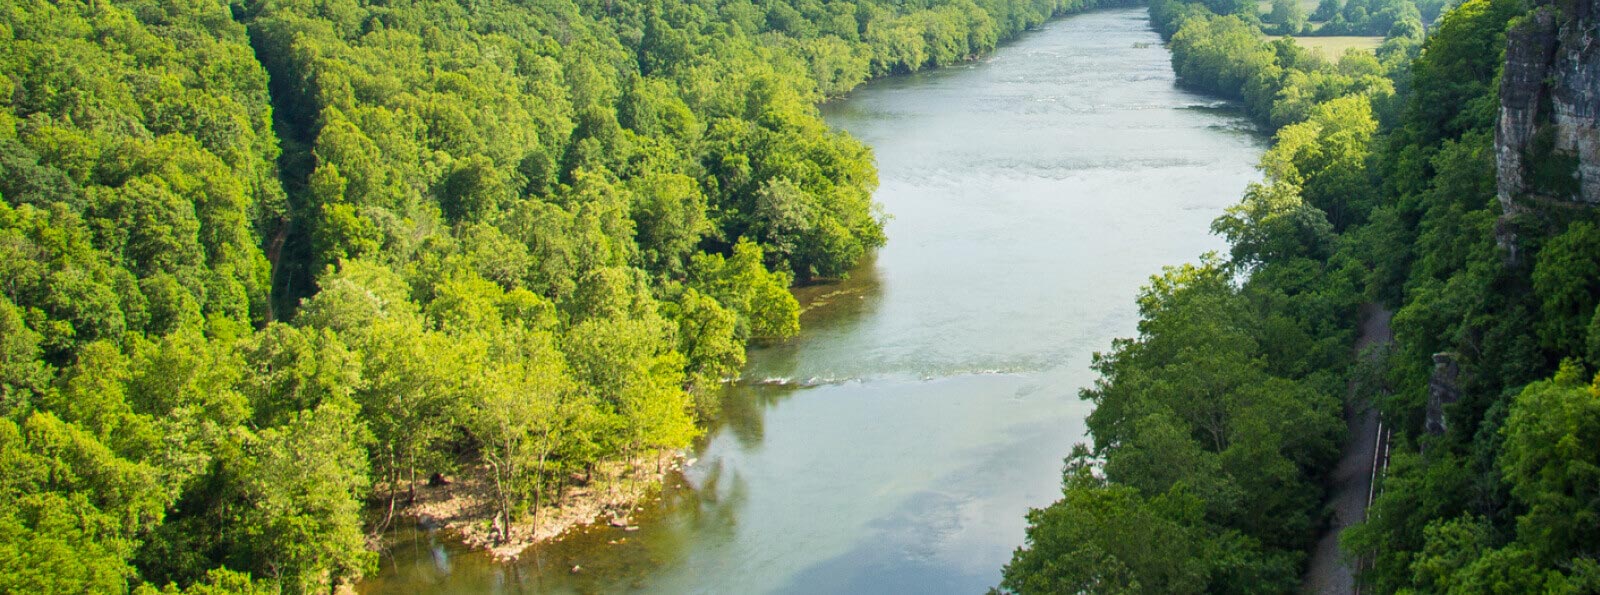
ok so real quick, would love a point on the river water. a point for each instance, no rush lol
(896, 444)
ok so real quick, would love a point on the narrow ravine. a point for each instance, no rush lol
(897, 443)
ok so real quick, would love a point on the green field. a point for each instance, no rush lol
(1335, 46)
(1309, 6)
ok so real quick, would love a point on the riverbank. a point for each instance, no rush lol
(464, 505)
(935, 390)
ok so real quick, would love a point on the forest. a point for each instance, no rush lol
(267, 265)
(1215, 428)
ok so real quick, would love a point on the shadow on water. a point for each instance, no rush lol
(828, 308)
(908, 550)
(744, 408)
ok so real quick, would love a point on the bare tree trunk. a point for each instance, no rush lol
(411, 495)
(538, 481)
(511, 476)
(393, 479)
(502, 503)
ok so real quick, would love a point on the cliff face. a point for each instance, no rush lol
(1547, 145)
(1444, 388)
(1576, 95)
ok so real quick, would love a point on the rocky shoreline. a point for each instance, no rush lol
(464, 505)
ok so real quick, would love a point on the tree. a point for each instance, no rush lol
(1326, 10)
(1326, 156)
(1565, 277)
(304, 482)
(23, 376)
(1107, 538)
(707, 337)
(71, 509)
(410, 373)
(761, 298)
(515, 412)
(1552, 469)
(1288, 15)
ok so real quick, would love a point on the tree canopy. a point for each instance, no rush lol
(266, 262)
(1379, 187)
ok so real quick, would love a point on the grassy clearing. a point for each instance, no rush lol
(1333, 47)
(1309, 6)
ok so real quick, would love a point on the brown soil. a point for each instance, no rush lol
(466, 504)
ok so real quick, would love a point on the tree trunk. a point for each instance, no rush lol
(504, 514)
(411, 490)
(393, 479)
(538, 483)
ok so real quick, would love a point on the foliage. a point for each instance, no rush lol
(267, 262)
(1194, 432)
(1288, 16)
(1380, 186)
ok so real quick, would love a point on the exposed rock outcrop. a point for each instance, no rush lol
(1443, 389)
(1547, 143)
(1575, 95)
(1530, 51)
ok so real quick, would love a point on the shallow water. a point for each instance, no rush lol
(897, 443)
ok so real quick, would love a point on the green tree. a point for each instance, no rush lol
(304, 482)
(761, 298)
(1565, 279)
(1551, 468)
(1107, 538)
(1288, 15)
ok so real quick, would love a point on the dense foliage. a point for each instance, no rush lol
(1380, 187)
(1382, 18)
(1373, 17)
(1504, 500)
(1214, 428)
(263, 264)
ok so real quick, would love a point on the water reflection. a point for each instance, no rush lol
(829, 311)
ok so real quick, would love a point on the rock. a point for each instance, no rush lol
(1549, 117)
(1530, 50)
(618, 521)
(1575, 94)
(1442, 390)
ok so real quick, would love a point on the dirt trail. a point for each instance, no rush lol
(1352, 479)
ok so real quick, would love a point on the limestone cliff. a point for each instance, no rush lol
(1444, 388)
(1547, 146)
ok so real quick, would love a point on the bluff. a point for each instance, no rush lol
(1547, 147)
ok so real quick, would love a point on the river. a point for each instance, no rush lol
(896, 444)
